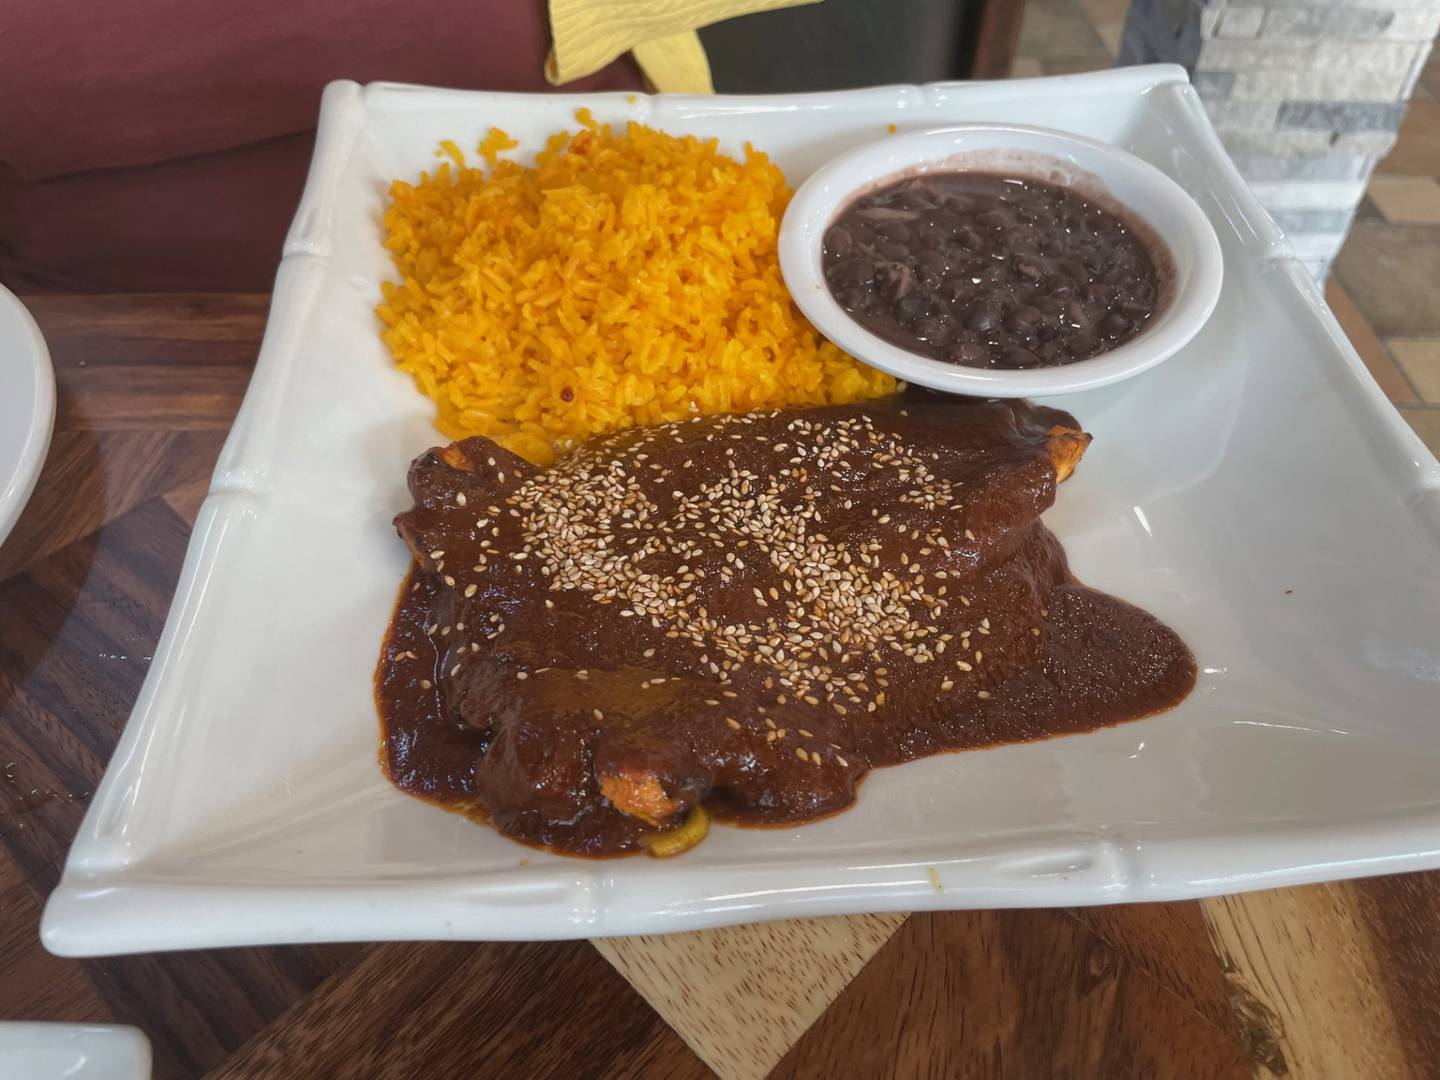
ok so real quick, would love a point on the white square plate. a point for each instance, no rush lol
(1256, 492)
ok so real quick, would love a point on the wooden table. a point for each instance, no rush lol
(1335, 980)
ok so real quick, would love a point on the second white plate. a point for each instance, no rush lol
(27, 407)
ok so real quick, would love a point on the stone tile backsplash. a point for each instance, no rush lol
(1307, 95)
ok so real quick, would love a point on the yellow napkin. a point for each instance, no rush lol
(588, 34)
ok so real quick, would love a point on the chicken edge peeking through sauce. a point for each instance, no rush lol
(741, 616)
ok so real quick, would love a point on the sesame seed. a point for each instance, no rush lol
(470, 590)
(843, 763)
(733, 723)
(801, 754)
(437, 554)
(983, 694)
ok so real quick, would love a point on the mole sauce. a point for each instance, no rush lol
(746, 613)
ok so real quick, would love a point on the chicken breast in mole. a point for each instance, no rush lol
(748, 613)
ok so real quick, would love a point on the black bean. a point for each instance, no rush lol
(996, 219)
(936, 329)
(1057, 286)
(1023, 320)
(893, 249)
(1015, 357)
(1030, 268)
(983, 316)
(838, 242)
(1114, 325)
(896, 280)
(856, 271)
(969, 239)
(894, 230)
(854, 299)
(968, 353)
(933, 262)
(913, 305)
(958, 289)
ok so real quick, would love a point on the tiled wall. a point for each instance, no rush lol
(1306, 94)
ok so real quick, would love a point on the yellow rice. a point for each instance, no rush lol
(627, 278)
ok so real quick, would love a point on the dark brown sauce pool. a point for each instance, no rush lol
(990, 271)
(507, 697)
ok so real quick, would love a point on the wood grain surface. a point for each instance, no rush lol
(1328, 981)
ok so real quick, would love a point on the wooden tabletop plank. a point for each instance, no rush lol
(770, 981)
(90, 478)
(1324, 986)
(1171, 944)
(523, 1010)
(1337, 980)
(1013, 993)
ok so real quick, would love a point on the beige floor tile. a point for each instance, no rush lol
(1417, 151)
(1371, 349)
(1105, 11)
(1110, 34)
(1059, 34)
(1407, 199)
(1393, 272)
(1071, 66)
(1426, 423)
(1026, 67)
(1430, 74)
(1420, 360)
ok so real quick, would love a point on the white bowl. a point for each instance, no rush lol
(1187, 251)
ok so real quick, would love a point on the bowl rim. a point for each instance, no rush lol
(19, 476)
(818, 200)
